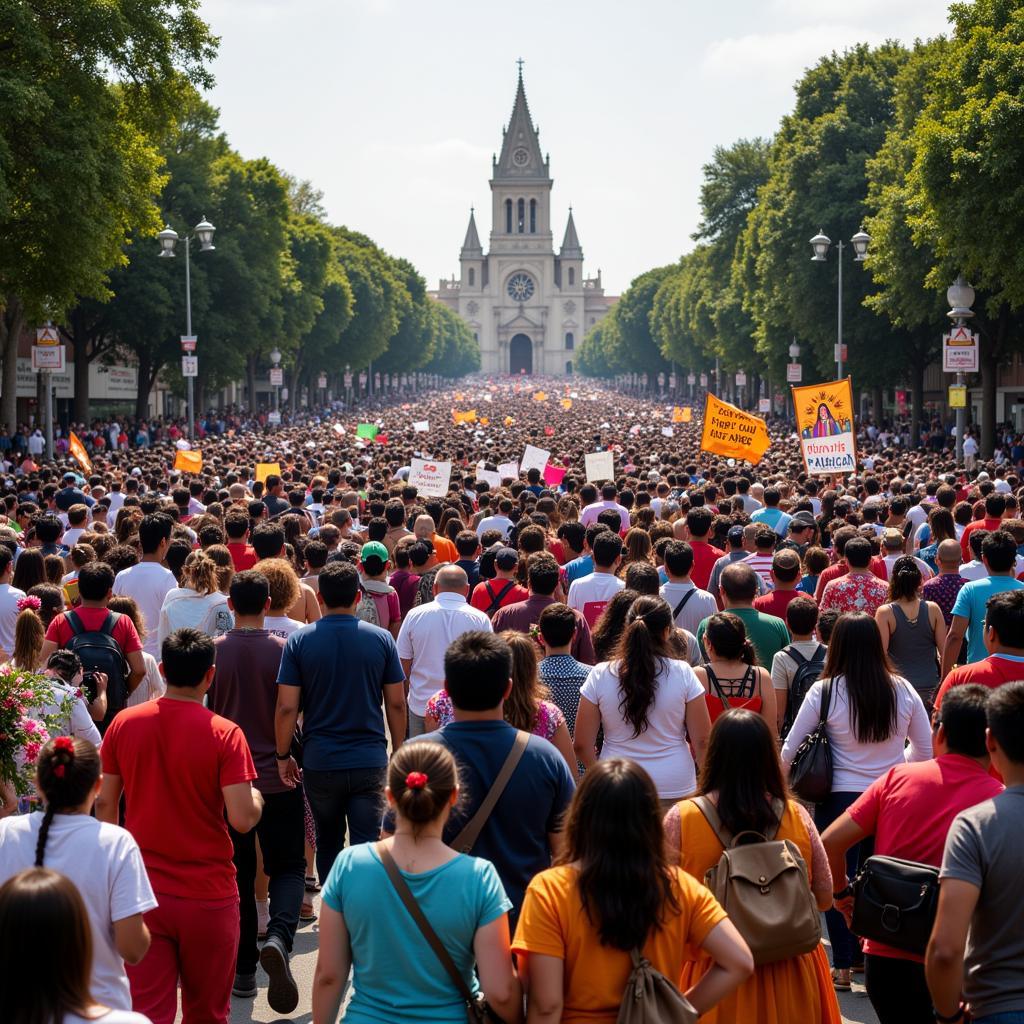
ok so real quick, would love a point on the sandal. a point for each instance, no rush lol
(311, 884)
(307, 913)
(841, 979)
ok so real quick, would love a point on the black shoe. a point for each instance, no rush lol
(282, 993)
(244, 986)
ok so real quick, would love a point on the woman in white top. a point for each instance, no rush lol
(649, 704)
(198, 603)
(102, 861)
(872, 714)
(152, 686)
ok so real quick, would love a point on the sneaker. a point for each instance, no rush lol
(282, 993)
(262, 919)
(244, 986)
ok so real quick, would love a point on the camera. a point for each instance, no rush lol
(89, 686)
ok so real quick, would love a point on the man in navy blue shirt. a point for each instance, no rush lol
(520, 836)
(340, 669)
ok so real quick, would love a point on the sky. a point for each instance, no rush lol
(393, 108)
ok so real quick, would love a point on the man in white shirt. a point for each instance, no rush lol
(36, 443)
(78, 522)
(9, 597)
(149, 581)
(970, 453)
(689, 604)
(597, 589)
(608, 495)
(892, 545)
(425, 635)
(500, 521)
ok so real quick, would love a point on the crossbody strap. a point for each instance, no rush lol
(496, 600)
(682, 604)
(722, 834)
(416, 913)
(464, 841)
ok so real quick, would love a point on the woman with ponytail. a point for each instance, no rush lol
(199, 602)
(365, 925)
(649, 703)
(732, 678)
(102, 860)
(913, 630)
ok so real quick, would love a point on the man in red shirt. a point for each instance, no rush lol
(909, 811)
(1004, 634)
(490, 595)
(181, 767)
(785, 577)
(995, 506)
(243, 555)
(698, 526)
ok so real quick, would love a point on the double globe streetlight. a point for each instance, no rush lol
(821, 244)
(203, 233)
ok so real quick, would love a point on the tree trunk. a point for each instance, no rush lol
(146, 378)
(876, 405)
(11, 322)
(80, 347)
(991, 348)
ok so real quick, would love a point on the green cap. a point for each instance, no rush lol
(374, 548)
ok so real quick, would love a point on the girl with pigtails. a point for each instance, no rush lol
(103, 861)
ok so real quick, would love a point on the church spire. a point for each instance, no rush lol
(520, 156)
(471, 246)
(571, 249)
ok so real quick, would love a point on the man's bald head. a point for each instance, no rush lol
(948, 555)
(451, 579)
(424, 527)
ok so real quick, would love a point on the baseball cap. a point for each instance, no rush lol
(506, 558)
(374, 549)
(68, 477)
(892, 538)
(802, 518)
(735, 534)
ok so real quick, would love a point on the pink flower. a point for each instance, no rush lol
(32, 751)
(29, 601)
(26, 695)
(31, 726)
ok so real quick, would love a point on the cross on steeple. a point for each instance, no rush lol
(520, 62)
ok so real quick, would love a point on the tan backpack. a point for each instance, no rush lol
(650, 998)
(763, 885)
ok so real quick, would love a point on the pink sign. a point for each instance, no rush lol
(553, 475)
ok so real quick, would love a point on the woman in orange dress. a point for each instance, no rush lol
(742, 776)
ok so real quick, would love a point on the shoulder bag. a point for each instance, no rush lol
(650, 998)
(464, 841)
(477, 1009)
(810, 774)
(895, 902)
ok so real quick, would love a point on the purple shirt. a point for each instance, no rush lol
(943, 590)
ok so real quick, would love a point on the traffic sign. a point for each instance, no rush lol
(794, 373)
(188, 342)
(348, 380)
(276, 376)
(741, 379)
(691, 379)
(48, 335)
(48, 357)
(764, 405)
(960, 351)
(839, 353)
(703, 380)
(957, 397)
(190, 366)
(321, 381)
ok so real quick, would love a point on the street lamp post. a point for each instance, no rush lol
(821, 244)
(275, 358)
(960, 296)
(794, 356)
(168, 239)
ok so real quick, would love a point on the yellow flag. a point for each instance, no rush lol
(79, 452)
(265, 469)
(540, 396)
(509, 421)
(566, 404)
(484, 421)
(682, 414)
(824, 421)
(469, 416)
(732, 432)
(189, 462)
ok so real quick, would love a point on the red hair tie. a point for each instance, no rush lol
(65, 743)
(416, 780)
(59, 771)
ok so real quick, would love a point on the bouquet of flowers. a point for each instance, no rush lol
(33, 708)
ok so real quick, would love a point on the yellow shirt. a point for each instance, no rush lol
(554, 923)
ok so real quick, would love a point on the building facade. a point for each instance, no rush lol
(527, 306)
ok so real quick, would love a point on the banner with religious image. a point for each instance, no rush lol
(824, 421)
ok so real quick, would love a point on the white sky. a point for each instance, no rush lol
(394, 107)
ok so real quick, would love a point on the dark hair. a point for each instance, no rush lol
(607, 547)
(236, 526)
(786, 565)
(855, 652)
(639, 658)
(542, 573)
(187, 655)
(48, 528)
(338, 584)
(420, 805)
(905, 579)
(557, 625)
(728, 636)
(477, 670)
(801, 615)
(643, 578)
(857, 552)
(738, 582)
(95, 581)
(65, 778)
(153, 529)
(608, 629)
(1005, 715)
(963, 715)
(41, 909)
(999, 550)
(742, 766)
(29, 570)
(249, 591)
(995, 505)
(1004, 613)
(6, 557)
(267, 540)
(614, 833)
(827, 620)
(678, 556)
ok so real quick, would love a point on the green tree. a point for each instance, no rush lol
(455, 350)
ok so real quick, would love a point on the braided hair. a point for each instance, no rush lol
(66, 772)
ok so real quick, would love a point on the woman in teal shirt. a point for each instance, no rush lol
(365, 925)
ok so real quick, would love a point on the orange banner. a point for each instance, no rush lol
(732, 432)
(189, 462)
(464, 417)
(79, 452)
(682, 415)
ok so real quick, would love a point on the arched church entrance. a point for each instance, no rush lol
(520, 354)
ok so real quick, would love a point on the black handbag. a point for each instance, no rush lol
(810, 774)
(894, 901)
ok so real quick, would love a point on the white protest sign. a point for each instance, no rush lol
(600, 466)
(534, 458)
(492, 479)
(430, 477)
(421, 426)
(667, 432)
(509, 470)
(337, 428)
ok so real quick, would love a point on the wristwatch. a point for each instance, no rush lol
(959, 1015)
(283, 757)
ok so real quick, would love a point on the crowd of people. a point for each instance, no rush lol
(528, 744)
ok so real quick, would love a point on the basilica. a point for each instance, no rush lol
(527, 306)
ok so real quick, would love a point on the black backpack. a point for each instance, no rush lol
(99, 652)
(807, 673)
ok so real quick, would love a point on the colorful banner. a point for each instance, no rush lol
(367, 430)
(265, 469)
(824, 421)
(682, 414)
(77, 449)
(732, 432)
(566, 404)
(430, 477)
(189, 462)
(540, 396)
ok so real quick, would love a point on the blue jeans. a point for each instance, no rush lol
(844, 943)
(352, 798)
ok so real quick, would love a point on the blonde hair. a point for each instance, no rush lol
(200, 573)
(29, 635)
(284, 584)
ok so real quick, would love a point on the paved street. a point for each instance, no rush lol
(855, 1006)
